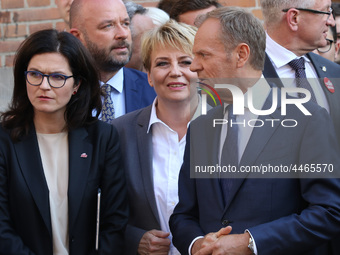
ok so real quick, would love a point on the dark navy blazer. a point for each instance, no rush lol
(138, 92)
(25, 221)
(285, 216)
(324, 68)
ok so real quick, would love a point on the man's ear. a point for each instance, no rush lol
(76, 33)
(243, 54)
(292, 19)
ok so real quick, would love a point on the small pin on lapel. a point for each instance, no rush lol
(83, 155)
(324, 69)
(329, 85)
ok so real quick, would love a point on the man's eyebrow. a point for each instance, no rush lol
(107, 21)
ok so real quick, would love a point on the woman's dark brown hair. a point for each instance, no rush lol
(87, 100)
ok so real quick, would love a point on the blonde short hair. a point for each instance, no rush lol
(170, 34)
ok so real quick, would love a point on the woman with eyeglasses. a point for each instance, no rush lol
(60, 167)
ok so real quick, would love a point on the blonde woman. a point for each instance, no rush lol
(153, 138)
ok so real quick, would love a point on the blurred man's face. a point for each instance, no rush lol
(64, 9)
(139, 25)
(337, 22)
(190, 17)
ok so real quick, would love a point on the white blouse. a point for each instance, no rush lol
(55, 160)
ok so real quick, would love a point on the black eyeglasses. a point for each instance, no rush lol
(56, 80)
(327, 47)
(312, 11)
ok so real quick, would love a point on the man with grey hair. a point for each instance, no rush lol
(249, 212)
(294, 29)
(140, 23)
(104, 28)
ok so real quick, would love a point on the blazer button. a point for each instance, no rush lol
(226, 222)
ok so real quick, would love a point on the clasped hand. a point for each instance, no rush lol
(154, 242)
(222, 242)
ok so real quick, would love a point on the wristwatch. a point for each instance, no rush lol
(251, 245)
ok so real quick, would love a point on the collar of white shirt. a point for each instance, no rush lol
(278, 54)
(153, 116)
(116, 81)
(155, 119)
(259, 94)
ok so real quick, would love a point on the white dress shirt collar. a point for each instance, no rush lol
(279, 55)
(153, 115)
(154, 118)
(260, 92)
(118, 93)
(116, 81)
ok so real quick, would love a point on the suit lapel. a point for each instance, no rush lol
(322, 73)
(144, 143)
(28, 155)
(132, 97)
(270, 73)
(319, 67)
(79, 168)
(257, 141)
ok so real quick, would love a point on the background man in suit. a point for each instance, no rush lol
(265, 215)
(108, 38)
(294, 29)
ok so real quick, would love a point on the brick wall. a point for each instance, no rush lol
(20, 18)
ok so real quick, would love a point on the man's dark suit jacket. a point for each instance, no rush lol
(25, 222)
(285, 216)
(138, 92)
(324, 68)
(136, 145)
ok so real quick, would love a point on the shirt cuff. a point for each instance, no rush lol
(255, 248)
(192, 243)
